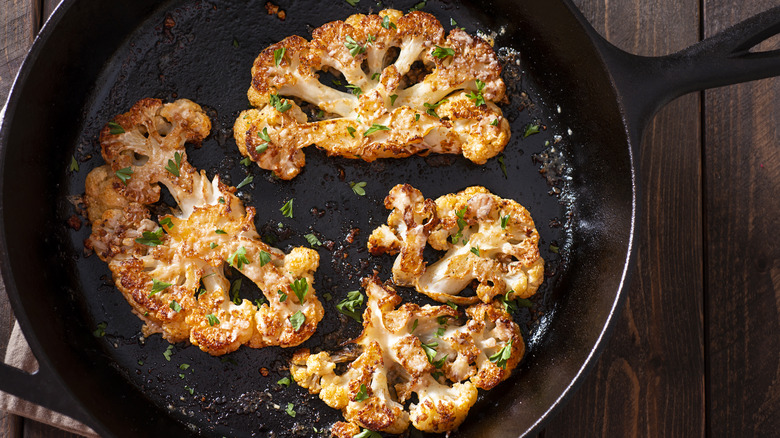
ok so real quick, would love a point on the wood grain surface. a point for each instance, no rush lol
(696, 349)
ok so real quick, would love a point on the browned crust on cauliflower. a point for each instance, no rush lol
(412, 350)
(185, 250)
(502, 260)
(438, 113)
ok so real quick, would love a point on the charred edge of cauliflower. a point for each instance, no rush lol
(487, 239)
(394, 109)
(412, 350)
(172, 273)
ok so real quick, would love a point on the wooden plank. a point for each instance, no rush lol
(743, 277)
(19, 21)
(649, 380)
(10, 425)
(34, 429)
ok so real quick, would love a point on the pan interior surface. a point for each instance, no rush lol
(203, 51)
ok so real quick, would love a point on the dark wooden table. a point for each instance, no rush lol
(696, 350)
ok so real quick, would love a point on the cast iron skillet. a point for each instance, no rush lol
(93, 60)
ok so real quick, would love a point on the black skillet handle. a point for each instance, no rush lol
(41, 388)
(645, 84)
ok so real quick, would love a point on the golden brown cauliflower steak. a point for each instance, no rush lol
(487, 239)
(172, 273)
(411, 352)
(395, 108)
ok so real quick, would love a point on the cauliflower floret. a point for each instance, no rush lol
(172, 273)
(412, 350)
(487, 239)
(395, 109)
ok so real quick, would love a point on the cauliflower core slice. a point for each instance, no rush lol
(395, 108)
(486, 238)
(412, 350)
(172, 274)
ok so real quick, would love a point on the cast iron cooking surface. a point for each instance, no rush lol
(203, 51)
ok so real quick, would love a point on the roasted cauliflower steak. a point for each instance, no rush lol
(413, 91)
(172, 271)
(487, 239)
(416, 364)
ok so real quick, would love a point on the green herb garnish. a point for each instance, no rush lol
(351, 131)
(502, 356)
(290, 408)
(374, 128)
(265, 258)
(387, 24)
(115, 128)
(174, 166)
(349, 306)
(100, 331)
(287, 208)
(74, 165)
(158, 286)
(358, 187)
(124, 174)
(477, 97)
(151, 238)
(234, 289)
(442, 52)
(175, 306)
(278, 104)
(354, 47)
(312, 239)
(284, 381)
(247, 180)
(297, 320)
(357, 91)
(238, 259)
(168, 352)
(279, 55)
(213, 320)
(362, 393)
(531, 130)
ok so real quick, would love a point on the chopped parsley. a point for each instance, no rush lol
(158, 286)
(220, 231)
(115, 128)
(238, 259)
(353, 46)
(393, 97)
(234, 289)
(351, 131)
(477, 97)
(502, 164)
(327, 296)
(494, 122)
(358, 187)
(287, 208)
(213, 245)
(442, 52)
(461, 225)
(312, 239)
(502, 356)
(190, 390)
(450, 303)
(284, 381)
(531, 129)
(431, 353)
(416, 117)
(432, 107)
(300, 287)
(184, 366)
(265, 258)
(387, 24)
(74, 165)
(174, 166)
(349, 306)
(352, 2)
(418, 6)
(362, 393)
(213, 320)
(279, 55)
(509, 305)
(175, 306)
(124, 174)
(504, 222)
(374, 128)
(168, 352)
(367, 434)
(297, 320)
(414, 326)
(282, 296)
(357, 91)
(246, 162)
(151, 238)
(524, 302)
(278, 104)
(100, 331)
(167, 222)
(475, 250)
(290, 410)
(246, 181)
(266, 139)
(376, 76)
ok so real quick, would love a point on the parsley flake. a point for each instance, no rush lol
(504, 222)
(418, 6)
(264, 134)
(246, 181)
(312, 239)
(414, 326)
(151, 238)
(502, 164)
(279, 55)
(300, 287)
(100, 331)
(450, 303)
(351, 131)
(238, 259)
(375, 76)
(461, 221)
(393, 97)
(352, 2)
(287, 208)
(278, 104)
(282, 296)
(115, 128)
(531, 130)
(284, 381)
(387, 24)
(74, 165)
(374, 128)
(168, 352)
(362, 393)
(442, 52)
(477, 97)
(167, 222)
(265, 258)
(349, 306)
(502, 355)
(124, 174)
(353, 46)
(175, 306)
(234, 289)
(357, 91)
(290, 410)
(246, 162)
(432, 107)
(213, 320)
(494, 122)
(220, 231)
(297, 320)
(174, 166)
(158, 286)
(358, 187)
(367, 434)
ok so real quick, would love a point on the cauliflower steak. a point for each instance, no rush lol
(486, 238)
(172, 271)
(412, 91)
(416, 364)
